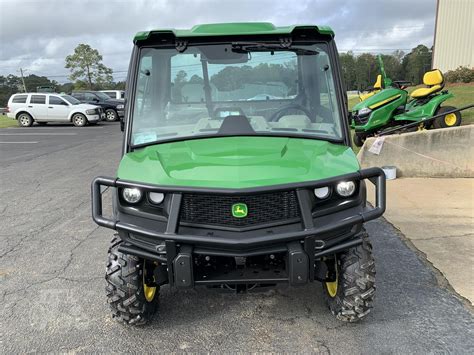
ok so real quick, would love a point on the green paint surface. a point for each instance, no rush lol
(231, 29)
(237, 162)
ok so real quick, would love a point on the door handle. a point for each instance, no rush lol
(50, 107)
(30, 106)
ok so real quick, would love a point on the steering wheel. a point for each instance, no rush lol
(282, 112)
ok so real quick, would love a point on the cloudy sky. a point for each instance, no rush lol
(37, 34)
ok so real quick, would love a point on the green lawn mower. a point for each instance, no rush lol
(393, 106)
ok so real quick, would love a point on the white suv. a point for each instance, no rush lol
(42, 108)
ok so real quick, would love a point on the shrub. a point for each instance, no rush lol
(460, 75)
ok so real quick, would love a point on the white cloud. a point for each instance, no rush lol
(50, 29)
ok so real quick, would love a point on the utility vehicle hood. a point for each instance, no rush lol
(237, 162)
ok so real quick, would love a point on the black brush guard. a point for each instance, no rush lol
(300, 245)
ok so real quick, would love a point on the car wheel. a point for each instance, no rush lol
(110, 115)
(25, 120)
(359, 140)
(449, 120)
(351, 290)
(132, 299)
(79, 120)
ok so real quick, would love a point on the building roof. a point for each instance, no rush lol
(232, 29)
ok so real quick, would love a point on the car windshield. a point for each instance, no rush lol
(235, 89)
(71, 99)
(102, 96)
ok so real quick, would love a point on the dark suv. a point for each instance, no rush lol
(113, 108)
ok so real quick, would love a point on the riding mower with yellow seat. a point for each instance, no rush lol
(393, 106)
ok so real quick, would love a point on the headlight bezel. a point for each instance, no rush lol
(91, 111)
(120, 107)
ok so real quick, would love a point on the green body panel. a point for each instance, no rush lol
(418, 112)
(382, 115)
(237, 162)
(231, 29)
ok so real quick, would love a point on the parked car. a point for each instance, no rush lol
(114, 94)
(113, 108)
(28, 108)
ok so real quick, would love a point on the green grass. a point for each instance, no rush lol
(7, 122)
(463, 95)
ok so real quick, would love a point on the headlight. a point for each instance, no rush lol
(91, 112)
(120, 107)
(364, 112)
(156, 197)
(321, 192)
(132, 195)
(345, 188)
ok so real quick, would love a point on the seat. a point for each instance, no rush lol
(372, 91)
(378, 83)
(434, 79)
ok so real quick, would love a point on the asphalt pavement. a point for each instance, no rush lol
(52, 264)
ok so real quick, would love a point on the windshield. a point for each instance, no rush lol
(102, 96)
(71, 99)
(235, 89)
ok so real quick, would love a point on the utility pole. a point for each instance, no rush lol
(23, 79)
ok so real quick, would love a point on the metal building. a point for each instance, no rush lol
(454, 35)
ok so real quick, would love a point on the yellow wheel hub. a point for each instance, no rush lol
(332, 286)
(148, 291)
(450, 119)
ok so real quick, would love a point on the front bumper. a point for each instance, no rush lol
(93, 118)
(175, 244)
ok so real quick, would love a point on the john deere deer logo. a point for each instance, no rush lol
(239, 210)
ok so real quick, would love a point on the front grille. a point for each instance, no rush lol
(216, 210)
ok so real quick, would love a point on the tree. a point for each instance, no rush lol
(86, 67)
(32, 81)
(348, 70)
(366, 70)
(416, 63)
(9, 85)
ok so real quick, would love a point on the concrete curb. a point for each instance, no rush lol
(447, 152)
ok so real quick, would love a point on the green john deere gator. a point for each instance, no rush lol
(237, 170)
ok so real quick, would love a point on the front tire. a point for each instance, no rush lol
(449, 120)
(131, 300)
(25, 120)
(79, 120)
(110, 115)
(359, 140)
(351, 294)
